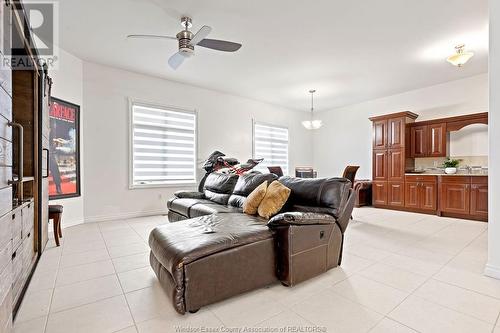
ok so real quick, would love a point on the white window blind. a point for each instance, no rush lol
(163, 146)
(271, 144)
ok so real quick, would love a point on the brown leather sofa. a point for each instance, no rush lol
(215, 251)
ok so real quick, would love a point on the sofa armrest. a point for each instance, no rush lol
(189, 195)
(300, 218)
(346, 212)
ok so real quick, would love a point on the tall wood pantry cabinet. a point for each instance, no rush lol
(390, 144)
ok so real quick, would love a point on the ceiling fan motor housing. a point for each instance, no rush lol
(184, 37)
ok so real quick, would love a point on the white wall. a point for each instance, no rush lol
(493, 266)
(471, 140)
(68, 85)
(346, 136)
(225, 123)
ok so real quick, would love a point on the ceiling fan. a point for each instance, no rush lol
(187, 41)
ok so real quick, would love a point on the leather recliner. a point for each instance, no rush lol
(222, 193)
(218, 252)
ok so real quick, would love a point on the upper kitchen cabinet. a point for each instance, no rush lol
(431, 138)
(389, 130)
(396, 132)
(428, 140)
(380, 134)
(418, 141)
(437, 140)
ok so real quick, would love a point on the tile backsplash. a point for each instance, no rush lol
(437, 162)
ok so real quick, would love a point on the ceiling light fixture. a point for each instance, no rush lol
(312, 124)
(460, 57)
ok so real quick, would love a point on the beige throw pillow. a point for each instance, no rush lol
(254, 199)
(276, 196)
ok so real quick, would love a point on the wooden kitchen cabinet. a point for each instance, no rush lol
(464, 197)
(396, 132)
(418, 140)
(395, 165)
(380, 134)
(429, 196)
(421, 193)
(379, 193)
(380, 164)
(437, 140)
(479, 197)
(455, 194)
(396, 194)
(390, 142)
(411, 195)
(428, 140)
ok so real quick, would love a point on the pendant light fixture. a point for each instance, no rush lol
(312, 124)
(460, 57)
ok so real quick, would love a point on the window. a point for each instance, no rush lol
(163, 146)
(270, 143)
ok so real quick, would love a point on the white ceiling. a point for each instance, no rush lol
(350, 51)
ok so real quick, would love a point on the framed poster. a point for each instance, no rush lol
(64, 156)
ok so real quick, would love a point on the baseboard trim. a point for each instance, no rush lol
(492, 271)
(124, 216)
(71, 223)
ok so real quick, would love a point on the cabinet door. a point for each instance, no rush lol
(379, 193)
(380, 134)
(411, 195)
(396, 132)
(396, 165)
(380, 165)
(428, 196)
(418, 140)
(479, 200)
(455, 198)
(396, 194)
(437, 140)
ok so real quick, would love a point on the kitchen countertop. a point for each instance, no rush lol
(444, 174)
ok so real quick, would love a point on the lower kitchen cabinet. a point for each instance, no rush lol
(429, 196)
(455, 198)
(396, 194)
(379, 193)
(464, 197)
(479, 198)
(421, 193)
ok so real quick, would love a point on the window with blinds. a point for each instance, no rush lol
(270, 143)
(163, 146)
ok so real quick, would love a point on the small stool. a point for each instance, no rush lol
(55, 212)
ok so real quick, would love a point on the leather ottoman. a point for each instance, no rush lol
(197, 261)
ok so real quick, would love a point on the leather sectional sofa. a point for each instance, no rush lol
(214, 251)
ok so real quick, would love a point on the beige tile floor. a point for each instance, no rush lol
(402, 272)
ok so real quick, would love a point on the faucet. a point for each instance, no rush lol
(468, 168)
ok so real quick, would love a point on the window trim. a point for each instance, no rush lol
(255, 122)
(133, 102)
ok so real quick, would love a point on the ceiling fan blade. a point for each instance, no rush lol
(220, 45)
(150, 37)
(200, 35)
(176, 60)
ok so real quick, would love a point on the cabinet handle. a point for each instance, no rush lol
(20, 153)
(48, 152)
